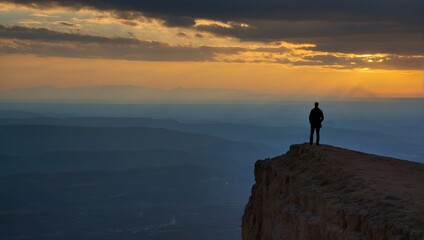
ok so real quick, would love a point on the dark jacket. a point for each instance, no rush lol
(316, 117)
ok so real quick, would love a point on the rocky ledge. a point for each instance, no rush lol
(325, 192)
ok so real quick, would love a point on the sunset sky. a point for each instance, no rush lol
(335, 48)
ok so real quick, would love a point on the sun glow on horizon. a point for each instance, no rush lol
(79, 46)
(267, 78)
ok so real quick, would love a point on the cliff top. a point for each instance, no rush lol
(387, 178)
(346, 193)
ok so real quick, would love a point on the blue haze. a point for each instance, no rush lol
(167, 171)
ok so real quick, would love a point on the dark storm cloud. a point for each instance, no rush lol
(325, 23)
(409, 11)
(46, 42)
(136, 52)
(172, 21)
(266, 30)
(407, 44)
(44, 34)
(344, 37)
(411, 63)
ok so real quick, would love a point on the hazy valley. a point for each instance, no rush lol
(66, 173)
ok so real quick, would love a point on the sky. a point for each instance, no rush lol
(322, 48)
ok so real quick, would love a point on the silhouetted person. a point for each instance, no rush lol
(315, 119)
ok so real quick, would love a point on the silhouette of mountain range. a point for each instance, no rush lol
(131, 94)
(36, 139)
(272, 136)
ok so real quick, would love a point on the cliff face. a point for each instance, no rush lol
(324, 192)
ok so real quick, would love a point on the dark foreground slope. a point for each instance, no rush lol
(152, 203)
(324, 192)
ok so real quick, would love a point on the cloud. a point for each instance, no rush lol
(294, 10)
(67, 24)
(129, 23)
(333, 37)
(176, 21)
(392, 43)
(372, 62)
(46, 42)
(181, 34)
(333, 25)
(44, 34)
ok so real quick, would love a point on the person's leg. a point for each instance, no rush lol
(311, 136)
(318, 135)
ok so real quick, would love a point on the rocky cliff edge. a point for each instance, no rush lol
(324, 192)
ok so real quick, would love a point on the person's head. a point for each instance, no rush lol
(316, 104)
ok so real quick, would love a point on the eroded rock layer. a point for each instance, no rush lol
(324, 192)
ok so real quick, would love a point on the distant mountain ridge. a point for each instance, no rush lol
(129, 93)
(18, 114)
(36, 139)
(274, 137)
(72, 161)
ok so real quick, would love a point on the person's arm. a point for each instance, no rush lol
(310, 117)
(322, 116)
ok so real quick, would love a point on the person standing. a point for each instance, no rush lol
(315, 119)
